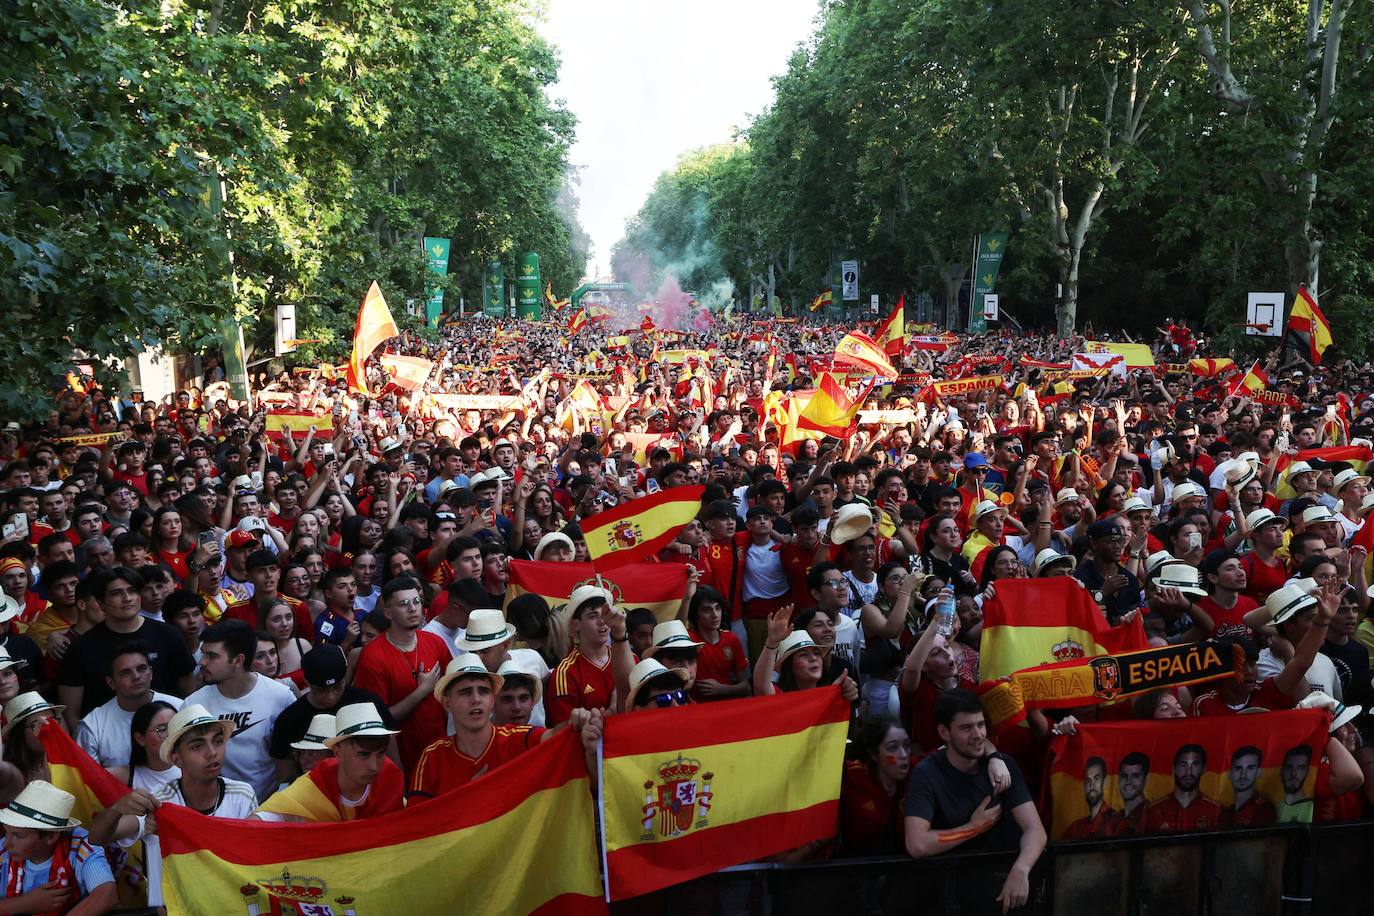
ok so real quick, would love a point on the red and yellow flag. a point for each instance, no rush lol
(864, 353)
(1357, 456)
(1252, 382)
(656, 586)
(1124, 778)
(830, 410)
(637, 530)
(283, 424)
(686, 792)
(578, 321)
(891, 334)
(1210, 368)
(315, 795)
(1034, 622)
(822, 300)
(409, 373)
(473, 844)
(1308, 325)
(375, 326)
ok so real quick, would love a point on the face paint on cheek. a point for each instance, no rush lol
(891, 759)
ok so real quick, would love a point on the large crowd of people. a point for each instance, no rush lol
(219, 613)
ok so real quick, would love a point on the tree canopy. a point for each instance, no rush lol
(1148, 161)
(343, 133)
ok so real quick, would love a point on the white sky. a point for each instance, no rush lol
(649, 80)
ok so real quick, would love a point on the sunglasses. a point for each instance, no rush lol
(664, 700)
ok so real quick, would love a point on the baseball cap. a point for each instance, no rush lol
(324, 666)
(239, 538)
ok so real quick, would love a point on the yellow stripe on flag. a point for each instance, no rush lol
(1138, 356)
(639, 529)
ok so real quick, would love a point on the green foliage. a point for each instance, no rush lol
(344, 133)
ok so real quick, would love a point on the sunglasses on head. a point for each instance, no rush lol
(669, 698)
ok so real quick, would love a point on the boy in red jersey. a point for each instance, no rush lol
(584, 679)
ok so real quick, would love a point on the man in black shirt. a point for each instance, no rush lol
(81, 681)
(325, 668)
(950, 799)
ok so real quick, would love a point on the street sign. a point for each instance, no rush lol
(285, 337)
(873, 303)
(990, 306)
(1264, 315)
(849, 280)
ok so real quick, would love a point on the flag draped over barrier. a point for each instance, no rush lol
(1175, 775)
(686, 792)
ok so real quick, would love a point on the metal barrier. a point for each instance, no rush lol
(1289, 870)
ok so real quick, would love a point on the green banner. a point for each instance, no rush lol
(529, 289)
(436, 253)
(235, 367)
(494, 290)
(991, 247)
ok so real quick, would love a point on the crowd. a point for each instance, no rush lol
(321, 627)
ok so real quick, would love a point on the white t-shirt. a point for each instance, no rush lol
(450, 637)
(104, 732)
(1320, 676)
(367, 603)
(764, 575)
(254, 714)
(151, 781)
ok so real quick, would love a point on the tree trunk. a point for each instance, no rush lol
(1067, 311)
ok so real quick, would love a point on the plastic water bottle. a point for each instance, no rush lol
(944, 612)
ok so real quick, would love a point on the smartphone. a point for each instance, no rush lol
(17, 526)
(651, 485)
(400, 430)
(359, 443)
(609, 467)
(208, 540)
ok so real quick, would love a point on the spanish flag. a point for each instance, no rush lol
(830, 411)
(1138, 356)
(865, 354)
(1252, 382)
(283, 424)
(656, 586)
(637, 530)
(315, 795)
(375, 326)
(686, 792)
(409, 373)
(1210, 368)
(891, 334)
(1357, 456)
(821, 301)
(578, 321)
(520, 840)
(1308, 327)
(1140, 758)
(1037, 621)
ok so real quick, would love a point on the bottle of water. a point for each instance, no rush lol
(944, 612)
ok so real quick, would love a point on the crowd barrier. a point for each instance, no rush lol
(1288, 870)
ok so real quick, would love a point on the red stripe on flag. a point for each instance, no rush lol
(645, 867)
(571, 905)
(754, 719)
(547, 766)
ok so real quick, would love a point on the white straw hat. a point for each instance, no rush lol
(486, 628)
(466, 665)
(187, 718)
(671, 634)
(1181, 576)
(358, 720)
(321, 729)
(851, 521)
(1290, 600)
(646, 671)
(793, 643)
(41, 806)
(510, 668)
(548, 540)
(1049, 556)
(24, 705)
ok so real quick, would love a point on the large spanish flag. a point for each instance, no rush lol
(283, 424)
(409, 373)
(314, 796)
(656, 586)
(375, 326)
(1038, 621)
(637, 530)
(830, 411)
(689, 791)
(865, 354)
(1140, 757)
(1307, 324)
(891, 334)
(1357, 456)
(521, 840)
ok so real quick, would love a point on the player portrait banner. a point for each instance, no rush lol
(1106, 679)
(656, 586)
(690, 791)
(421, 860)
(637, 530)
(1033, 622)
(1178, 775)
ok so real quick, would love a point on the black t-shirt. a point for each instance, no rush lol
(1352, 667)
(947, 798)
(87, 662)
(295, 719)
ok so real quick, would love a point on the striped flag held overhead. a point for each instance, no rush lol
(637, 530)
(690, 791)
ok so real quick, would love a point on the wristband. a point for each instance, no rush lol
(625, 638)
(771, 648)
